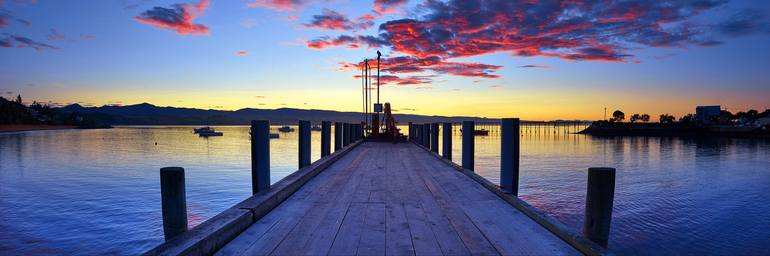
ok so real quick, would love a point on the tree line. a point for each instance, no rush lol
(725, 117)
(13, 111)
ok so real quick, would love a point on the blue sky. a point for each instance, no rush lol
(98, 52)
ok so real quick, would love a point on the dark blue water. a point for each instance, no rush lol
(91, 192)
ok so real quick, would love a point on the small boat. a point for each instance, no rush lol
(210, 133)
(285, 129)
(315, 128)
(273, 136)
(481, 132)
(203, 129)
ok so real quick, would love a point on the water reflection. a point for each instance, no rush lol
(96, 191)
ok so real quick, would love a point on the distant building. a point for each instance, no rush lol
(707, 114)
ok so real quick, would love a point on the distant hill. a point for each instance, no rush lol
(148, 114)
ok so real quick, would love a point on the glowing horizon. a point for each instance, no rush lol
(439, 58)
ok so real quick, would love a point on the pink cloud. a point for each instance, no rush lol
(278, 5)
(179, 18)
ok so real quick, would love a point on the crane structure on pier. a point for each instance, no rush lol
(375, 127)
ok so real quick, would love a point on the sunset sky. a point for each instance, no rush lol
(538, 60)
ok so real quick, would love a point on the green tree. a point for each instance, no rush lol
(667, 119)
(645, 118)
(687, 119)
(618, 116)
(18, 99)
(635, 117)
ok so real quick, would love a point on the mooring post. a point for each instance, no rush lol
(326, 138)
(599, 199)
(260, 155)
(338, 136)
(304, 143)
(509, 155)
(468, 147)
(447, 141)
(345, 134)
(434, 137)
(173, 201)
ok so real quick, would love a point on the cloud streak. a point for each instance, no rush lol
(15, 41)
(178, 18)
(331, 20)
(278, 5)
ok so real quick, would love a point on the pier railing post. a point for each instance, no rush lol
(468, 147)
(434, 137)
(304, 143)
(173, 201)
(426, 132)
(509, 155)
(411, 132)
(447, 141)
(260, 155)
(326, 138)
(338, 136)
(345, 134)
(599, 199)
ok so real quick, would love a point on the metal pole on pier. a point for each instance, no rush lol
(260, 155)
(509, 155)
(599, 199)
(338, 128)
(434, 137)
(326, 138)
(468, 147)
(447, 141)
(173, 201)
(304, 143)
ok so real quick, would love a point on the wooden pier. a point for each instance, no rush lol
(379, 198)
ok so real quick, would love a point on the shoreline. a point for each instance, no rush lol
(9, 128)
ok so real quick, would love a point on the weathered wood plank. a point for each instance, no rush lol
(446, 236)
(346, 241)
(473, 239)
(395, 199)
(423, 238)
(331, 202)
(373, 238)
(398, 239)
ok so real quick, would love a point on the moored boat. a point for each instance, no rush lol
(203, 129)
(285, 129)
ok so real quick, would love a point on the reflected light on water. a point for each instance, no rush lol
(97, 191)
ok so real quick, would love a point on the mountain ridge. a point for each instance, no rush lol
(149, 114)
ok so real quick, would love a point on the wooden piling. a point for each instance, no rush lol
(326, 138)
(509, 155)
(410, 132)
(338, 141)
(468, 146)
(447, 141)
(426, 132)
(599, 200)
(304, 143)
(260, 155)
(345, 134)
(434, 137)
(173, 201)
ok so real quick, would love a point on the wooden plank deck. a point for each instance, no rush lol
(394, 199)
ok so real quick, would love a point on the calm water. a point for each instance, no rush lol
(97, 192)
